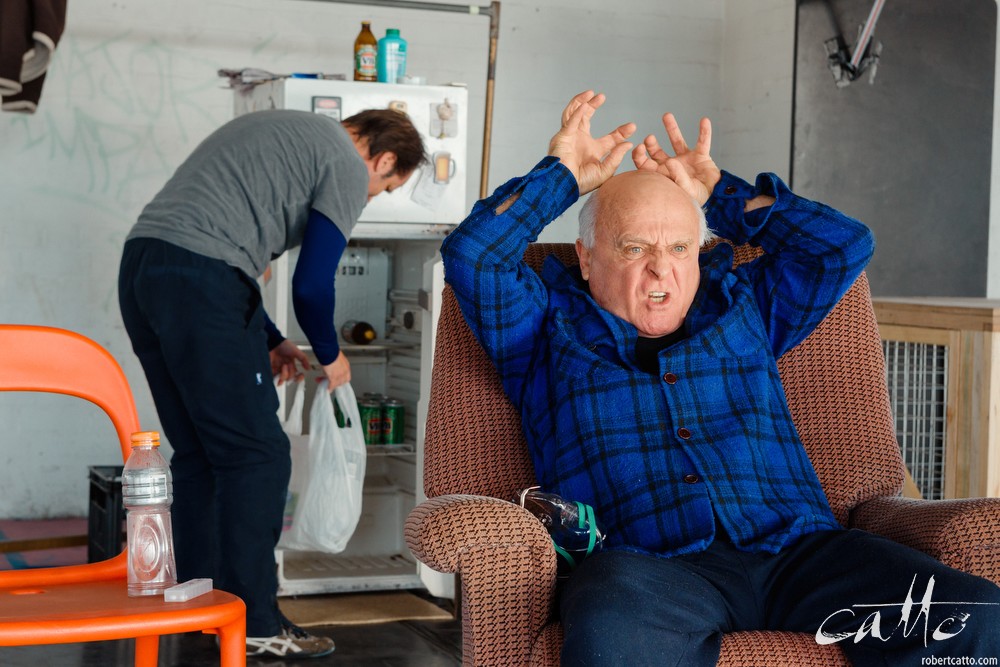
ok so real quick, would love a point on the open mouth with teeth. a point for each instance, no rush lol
(657, 297)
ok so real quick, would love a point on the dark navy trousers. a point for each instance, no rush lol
(197, 326)
(846, 587)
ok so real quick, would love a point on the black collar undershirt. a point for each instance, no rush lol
(647, 350)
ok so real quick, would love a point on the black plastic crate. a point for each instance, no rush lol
(106, 514)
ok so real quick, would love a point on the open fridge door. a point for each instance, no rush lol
(437, 583)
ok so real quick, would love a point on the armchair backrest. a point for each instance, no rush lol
(834, 382)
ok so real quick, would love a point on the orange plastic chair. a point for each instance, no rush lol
(81, 603)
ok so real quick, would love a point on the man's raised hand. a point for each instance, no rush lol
(592, 161)
(692, 169)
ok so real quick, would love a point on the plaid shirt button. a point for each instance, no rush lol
(683, 433)
(691, 479)
(669, 378)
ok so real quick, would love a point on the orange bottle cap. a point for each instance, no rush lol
(146, 437)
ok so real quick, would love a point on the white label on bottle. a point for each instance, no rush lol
(395, 63)
(365, 60)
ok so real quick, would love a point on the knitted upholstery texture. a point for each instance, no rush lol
(508, 568)
(836, 390)
(778, 649)
(963, 534)
(476, 459)
(473, 442)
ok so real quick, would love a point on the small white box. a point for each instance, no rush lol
(187, 590)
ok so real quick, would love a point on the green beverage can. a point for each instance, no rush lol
(393, 421)
(371, 421)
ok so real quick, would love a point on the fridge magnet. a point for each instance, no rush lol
(444, 167)
(444, 119)
(327, 106)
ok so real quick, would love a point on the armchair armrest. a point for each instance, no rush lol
(964, 533)
(507, 568)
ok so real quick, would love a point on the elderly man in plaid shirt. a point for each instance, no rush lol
(648, 387)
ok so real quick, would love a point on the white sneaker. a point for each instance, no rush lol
(293, 642)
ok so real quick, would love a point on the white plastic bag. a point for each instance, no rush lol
(293, 425)
(329, 507)
(299, 449)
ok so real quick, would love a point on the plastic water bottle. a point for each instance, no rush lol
(147, 491)
(391, 57)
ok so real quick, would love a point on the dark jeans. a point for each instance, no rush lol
(622, 608)
(196, 325)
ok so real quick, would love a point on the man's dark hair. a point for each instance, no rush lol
(392, 131)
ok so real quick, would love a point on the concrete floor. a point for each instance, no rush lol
(401, 644)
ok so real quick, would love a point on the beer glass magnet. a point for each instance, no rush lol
(444, 167)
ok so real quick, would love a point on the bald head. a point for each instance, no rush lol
(632, 190)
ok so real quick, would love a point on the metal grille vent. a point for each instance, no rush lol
(917, 376)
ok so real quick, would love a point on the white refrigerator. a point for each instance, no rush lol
(390, 277)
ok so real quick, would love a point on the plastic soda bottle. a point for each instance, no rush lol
(391, 60)
(365, 49)
(147, 491)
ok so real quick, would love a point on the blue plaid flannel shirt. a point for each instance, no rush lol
(662, 457)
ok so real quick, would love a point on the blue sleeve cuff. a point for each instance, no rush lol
(724, 209)
(563, 187)
(544, 194)
(274, 337)
(780, 226)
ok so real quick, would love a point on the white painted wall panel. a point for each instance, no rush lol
(755, 117)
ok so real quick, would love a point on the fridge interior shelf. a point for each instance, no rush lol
(375, 558)
(315, 572)
(406, 449)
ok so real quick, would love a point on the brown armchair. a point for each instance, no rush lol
(476, 459)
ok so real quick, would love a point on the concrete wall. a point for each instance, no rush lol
(133, 89)
(888, 152)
